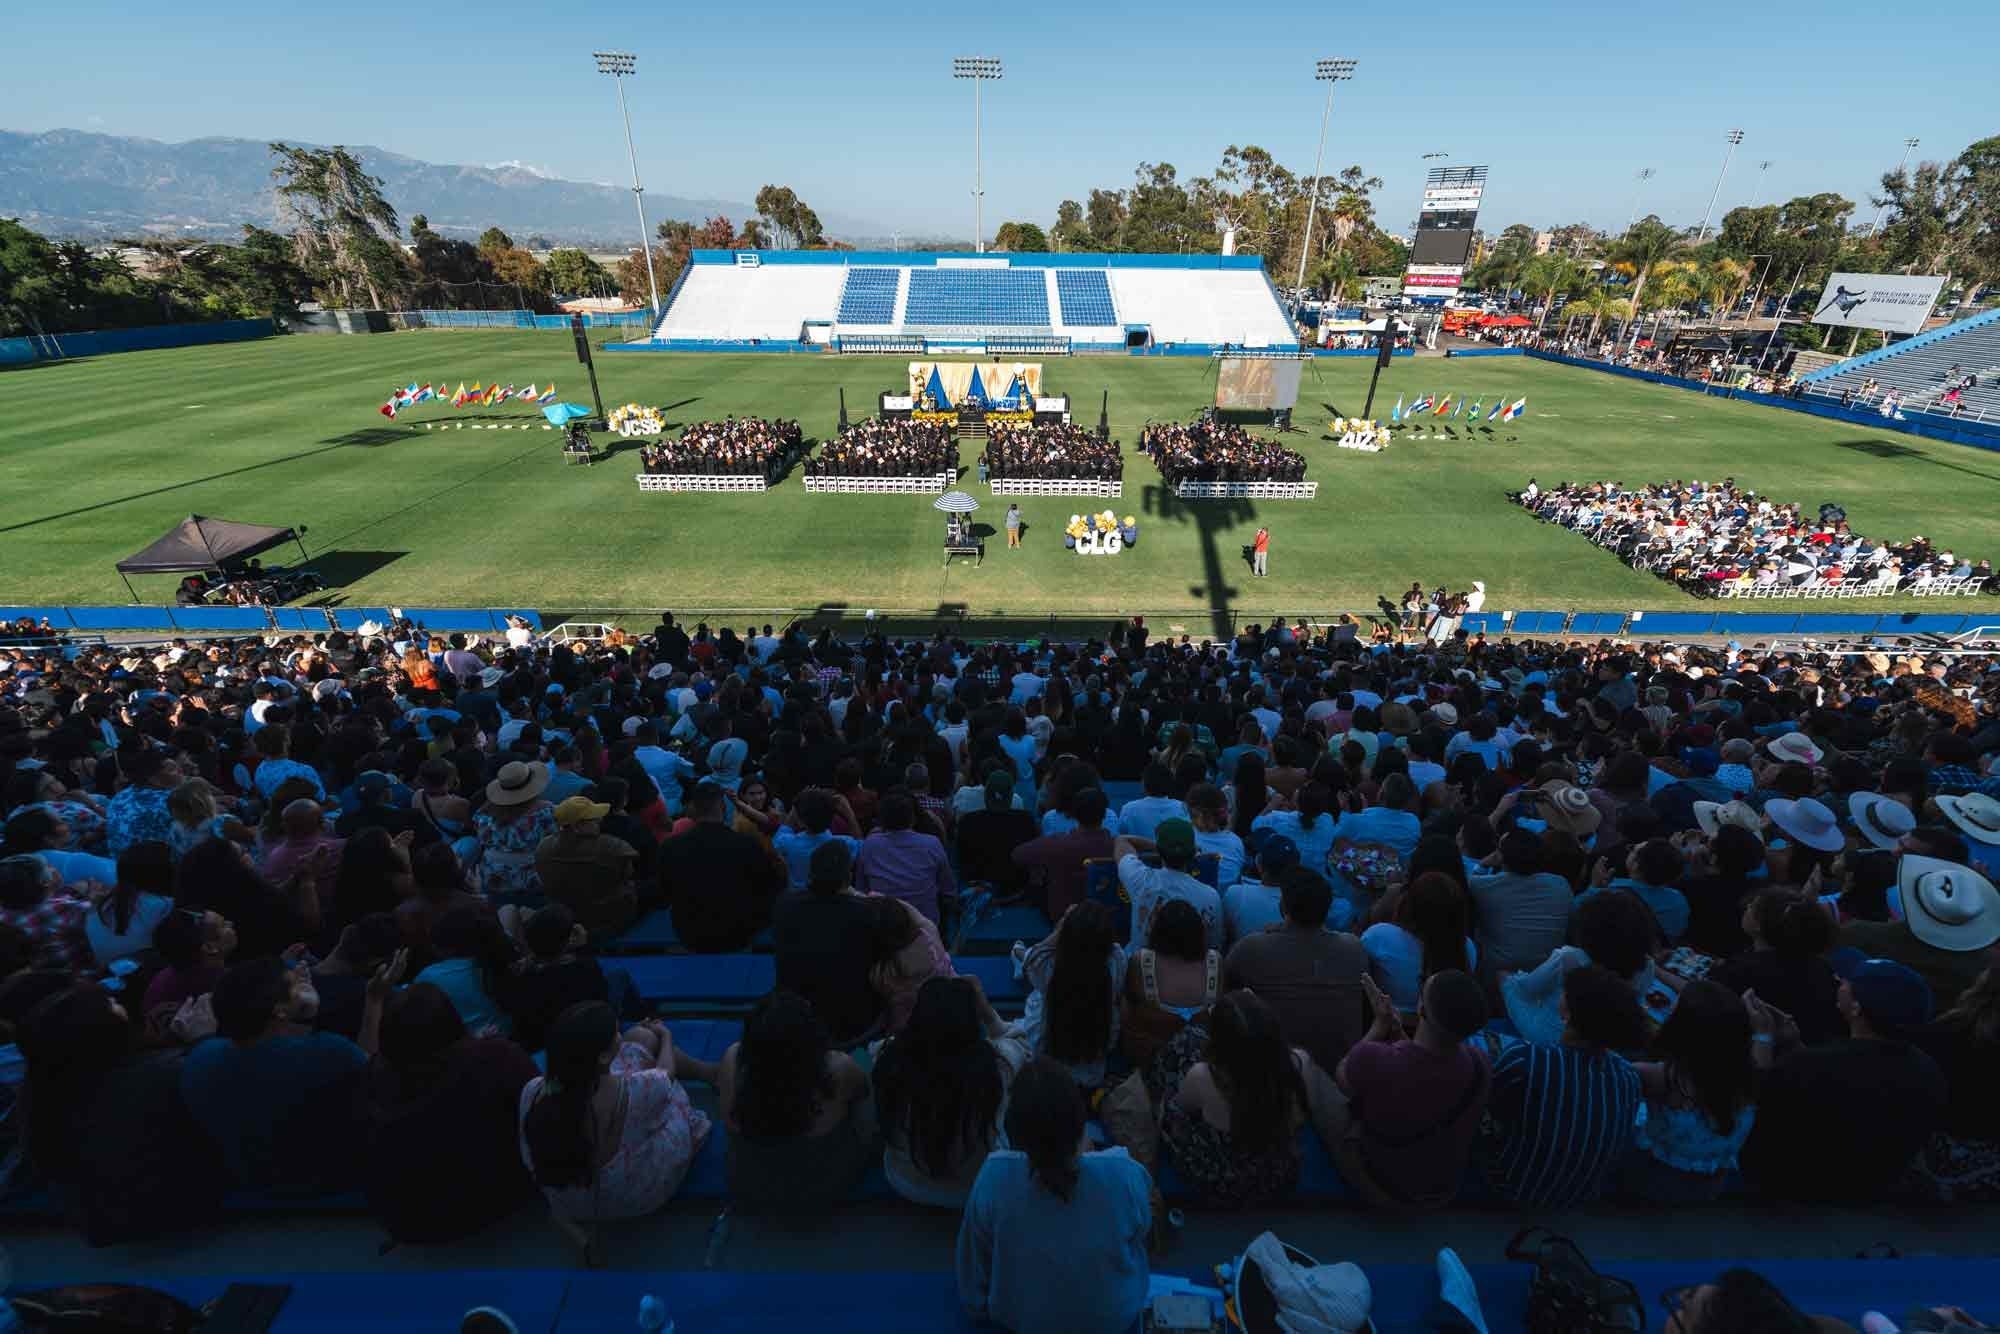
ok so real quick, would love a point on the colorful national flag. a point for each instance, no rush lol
(458, 396)
(505, 394)
(1498, 408)
(388, 409)
(1472, 413)
(1514, 409)
(491, 396)
(1443, 406)
(1421, 405)
(424, 395)
(527, 395)
(1396, 413)
(549, 394)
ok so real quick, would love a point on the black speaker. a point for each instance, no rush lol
(582, 343)
(1282, 419)
(1387, 347)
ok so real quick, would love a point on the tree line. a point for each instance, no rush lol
(1939, 218)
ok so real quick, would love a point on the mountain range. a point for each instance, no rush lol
(73, 183)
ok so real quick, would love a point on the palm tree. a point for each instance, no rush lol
(1674, 287)
(1722, 281)
(1642, 250)
(1598, 302)
(1552, 275)
(1338, 274)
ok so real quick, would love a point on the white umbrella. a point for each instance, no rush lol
(955, 502)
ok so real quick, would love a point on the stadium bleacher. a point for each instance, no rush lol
(1072, 302)
(975, 298)
(1085, 297)
(1916, 370)
(869, 296)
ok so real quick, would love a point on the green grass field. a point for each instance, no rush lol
(98, 457)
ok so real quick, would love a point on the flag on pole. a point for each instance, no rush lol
(1514, 409)
(1472, 413)
(388, 409)
(528, 395)
(458, 398)
(549, 394)
(491, 396)
(1396, 413)
(424, 395)
(1443, 406)
(1498, 408)
(505, 394)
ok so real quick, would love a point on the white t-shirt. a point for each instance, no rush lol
(1249, 907)
(107, 945)
(1142, 815)
(1151, 886)
(1230, 855)
(1396, 958)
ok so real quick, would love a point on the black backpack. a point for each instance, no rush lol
(1566, 1294)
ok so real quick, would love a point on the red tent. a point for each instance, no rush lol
(1512, 321)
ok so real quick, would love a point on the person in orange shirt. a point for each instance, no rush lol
(1260, 552)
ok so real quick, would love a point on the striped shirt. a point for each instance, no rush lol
(1560, 1120)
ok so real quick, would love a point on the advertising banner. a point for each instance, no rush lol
(1888, 302)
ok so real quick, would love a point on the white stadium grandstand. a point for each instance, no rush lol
(893, 301)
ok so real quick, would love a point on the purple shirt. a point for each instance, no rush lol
(903, 864)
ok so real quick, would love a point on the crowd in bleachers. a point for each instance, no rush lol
(882, 448)
(1717, 538)
(27, 627)
(1546, 922)
(1217, 451)
(1040, 452)
(735, 447)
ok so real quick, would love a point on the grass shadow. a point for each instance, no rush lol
(1212, 520)
(1877, 447)
(337, 569)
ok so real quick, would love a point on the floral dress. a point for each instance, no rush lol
(86, 826)
(508, 838)
(1227, 1175)
(661, 1135)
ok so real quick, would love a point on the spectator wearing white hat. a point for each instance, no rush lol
(1951, 920)
(1882, 820)
(1977, 816)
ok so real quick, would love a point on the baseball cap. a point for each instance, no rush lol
(1174, 838)
(1893, 997)
(372, 782)
(1277, 852)
(576, 810)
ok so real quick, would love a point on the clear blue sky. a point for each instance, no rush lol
(852, 104)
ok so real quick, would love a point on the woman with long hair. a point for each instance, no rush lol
(801, 1129)
(1248, 794)
(122, 922)
(45, 789)
(374, 876)
(474, 956)
(610, 1133)
(1699, 1099)
(939, 1088)
(444, 1158)
(1230, 1115)
(106, 1124)
(1428, 930)
(1072, 1011)
(1054, 1238)
(219, 875)
(1168, 984)
(197, 817)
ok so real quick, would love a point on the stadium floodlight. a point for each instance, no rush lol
(618, 64)
(1735, 138)
(978, 69)
(1330, 73)
(1909, 147)
(1645, 174)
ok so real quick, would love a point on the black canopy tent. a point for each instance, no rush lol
(199, 543)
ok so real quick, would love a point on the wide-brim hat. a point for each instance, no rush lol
(518, 783)
(1569, 808)
(1948, 905)
(1808, 821)
(1795, 748)
(1882, 820)
(1710, 816)
(1976, 815)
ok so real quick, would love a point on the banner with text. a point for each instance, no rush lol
(1888, 302)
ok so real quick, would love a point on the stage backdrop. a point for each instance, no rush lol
(1256, 384)
(995, 384)
(1890, 302)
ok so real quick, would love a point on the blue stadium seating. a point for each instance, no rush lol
(1007, 297)
(869, 297)
(1085, 297)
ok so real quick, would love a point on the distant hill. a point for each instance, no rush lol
(73, 183)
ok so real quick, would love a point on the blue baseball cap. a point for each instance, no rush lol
(1893, 997)
(1276, 852)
